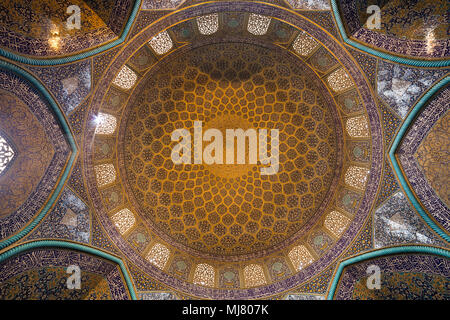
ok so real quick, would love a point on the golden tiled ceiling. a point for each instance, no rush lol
(229, 208)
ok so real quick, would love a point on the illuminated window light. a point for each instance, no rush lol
(126, 78)
(304, 44)
(6, 154)
(204, 275)
(208, 24)
(105, 123)
(161, 43)
(159, 255)
(123, 220)
(254, 275)
(300, 257)
(258, 24)
(356, 177)
(105, 174)
(336, 223)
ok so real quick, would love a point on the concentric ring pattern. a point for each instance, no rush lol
(203, 227)
(230, 208)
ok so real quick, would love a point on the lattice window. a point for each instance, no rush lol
(300, 257)
(123, 220)
(208, 24)
(6, 154)
(356, 177)
(161, 43)
(254, 275)
(258, 24)
(105, 123)
(126, 78)
(204, 275)
(105, 173)
(159, 255)
(336, 222)
(357, 127)
(339, 80)
(304, 44)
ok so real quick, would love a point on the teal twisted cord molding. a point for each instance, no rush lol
(68, 134)
(383, 55)
(55, 61)
(401, 178)
(379, 253)
(73, 246)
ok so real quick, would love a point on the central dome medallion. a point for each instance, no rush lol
(223, 209)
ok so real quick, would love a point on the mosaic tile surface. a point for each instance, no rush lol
(319, 284)
(76, 183)
(139, 238)
(294, 296)
(41, 28)
(403, 277)
(363, 242)
(69, 220)
(368, 64)
(40, 274)
(309, 4)
(42, 113)
(160, 4)
(395, 222)
(414, 20)
(408, 28)
(401, 86)
(417, 132)
(323, 19)
(145, 18)
(433, 157)
(27, 27)
(33, 149)
(70, 83)
(50, 284)
(157, 296)
(143, 282)
(335, 249)
(390, 122)
(76, 120)
(404, 286)
(100, 63)
(389, 184)
(100, 240)
(227, 234)
(188, 3)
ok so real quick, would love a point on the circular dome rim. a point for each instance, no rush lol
(372, 185)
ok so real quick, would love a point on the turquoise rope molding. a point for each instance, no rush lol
(74, 246)
(398, 138)
(383, 55)
(68, 134)
(55, 61)
(380, 253)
